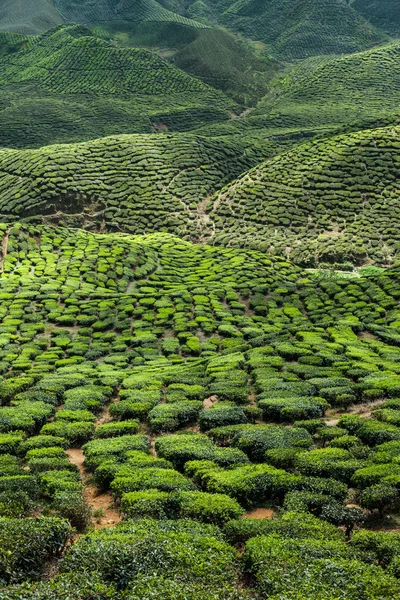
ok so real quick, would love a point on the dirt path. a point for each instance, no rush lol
(97, 501)
(363, 410)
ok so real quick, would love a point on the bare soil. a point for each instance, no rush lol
(98, 501)
(259, 513)
(209, 402)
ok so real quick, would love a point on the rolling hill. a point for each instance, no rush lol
(71, 85)
(328, 91)
(37, 16)
(294, 30)
(328, 200)
(132, 183)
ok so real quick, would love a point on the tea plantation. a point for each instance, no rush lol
(70, 85)
(199, 300)
(328, 201)
(190, 385)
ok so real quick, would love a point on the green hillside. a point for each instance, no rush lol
(294, 30)
(382, 13)
(326, 91)
(134, 183)
(239, 71)
(135, 11)
(199, 300)
(324, 201)
(327, 201)
(69, 85)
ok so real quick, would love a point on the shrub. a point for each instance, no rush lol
(381, 497)
(292, 409)
(223, 413)
(19, 483)
(208, 508)
(72, 506)
(248, 483)
(373, 474)
(166, 480)
(27, 544)
(114, 429)
(41, 441)
(152, 504)
(168, 417)
(53, 481)
(181, 448)
(74, 415)
(255, 440)
(76, 433)
(384, 546)
(10, 442)
(50, 463)
(99, 450)
(289, 524)
(180, 552)
(313, 568)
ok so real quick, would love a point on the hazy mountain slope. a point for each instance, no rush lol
(326, 200)
(216, 58)
(295, 29)
(134, 183)
(37, 16)
(382, 13)
(28, 16)
(134, 11)
(69, 85)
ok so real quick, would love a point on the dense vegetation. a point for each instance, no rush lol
(199, 300)
(69, 85)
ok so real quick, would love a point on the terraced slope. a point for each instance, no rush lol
(37, 16)
(325, 91)
(29, 16)
(134, 183)
(135, 11)
(239, 71)
(382, 13)
(326, 200)
(69, 85)
(296, 29)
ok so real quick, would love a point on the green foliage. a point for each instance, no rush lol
(207, 508)
(313, 566)
(27, 544)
